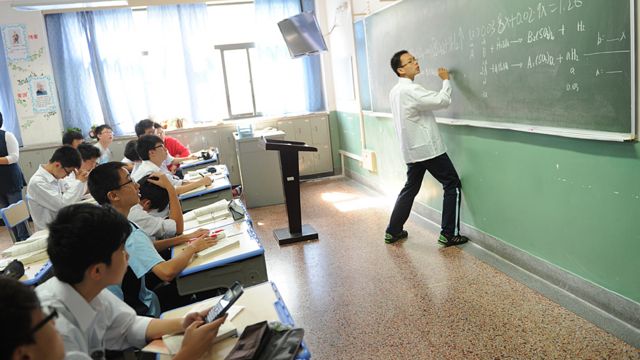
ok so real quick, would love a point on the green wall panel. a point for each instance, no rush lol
(574, 203)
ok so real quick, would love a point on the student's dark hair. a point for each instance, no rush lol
(158, 196)
(146, 143)
(130, 151)
(82, 235)
(69, 136)
(66, 156)
(1, 120)
(17, 302)
(396, 62)
(104, 178)
(157, 126)
(88, 152)
(142, 126)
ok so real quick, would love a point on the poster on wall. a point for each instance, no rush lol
(15, 42)
(42, 99)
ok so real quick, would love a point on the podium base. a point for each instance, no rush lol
(285, 237)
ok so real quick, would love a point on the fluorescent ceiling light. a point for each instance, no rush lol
(64, 5)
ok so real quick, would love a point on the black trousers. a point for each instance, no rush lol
(441, 168)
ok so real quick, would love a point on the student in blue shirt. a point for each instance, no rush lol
(111, 184)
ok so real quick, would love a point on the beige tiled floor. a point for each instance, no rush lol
(358, 298)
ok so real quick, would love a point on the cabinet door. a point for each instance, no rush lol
(289, 129)
(324, 160)
(303, 131)
(320, 130)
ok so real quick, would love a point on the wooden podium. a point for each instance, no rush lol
(291, 183)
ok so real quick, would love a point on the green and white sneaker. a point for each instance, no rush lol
(453, 240)
(390, 239)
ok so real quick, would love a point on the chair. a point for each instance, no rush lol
(14, 215)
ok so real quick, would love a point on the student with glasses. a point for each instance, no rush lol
(28, 330)
(153, 153)
(110, 184)
(412, 107)
(47, 192)
(88, 251)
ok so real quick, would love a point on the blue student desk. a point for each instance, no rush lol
(191, 165)
(261, 302)
(243, 262)
(37, 272)
(218, 190)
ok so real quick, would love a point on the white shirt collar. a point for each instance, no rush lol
(47, 175)
(83, 312)
(404, 80)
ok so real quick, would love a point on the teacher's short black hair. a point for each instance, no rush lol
(396, 62)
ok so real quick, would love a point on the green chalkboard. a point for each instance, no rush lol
(565, 64)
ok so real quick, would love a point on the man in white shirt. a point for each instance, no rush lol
(156, 193)
(422, 148)
(153, 153)
(46, 192)
(89, 155)
(87, 250)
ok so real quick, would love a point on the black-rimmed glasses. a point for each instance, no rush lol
(125, 184)
(411, 61)
(50, 313)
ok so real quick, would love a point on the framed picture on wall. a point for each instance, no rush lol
(14, 38)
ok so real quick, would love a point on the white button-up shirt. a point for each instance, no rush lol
(154, 226)
(47, 195)
(412, 106)
(147, 167)
(88, 329)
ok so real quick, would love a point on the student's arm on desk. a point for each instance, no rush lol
(175, 210)
(167, 243)
(168, 270)
(206, 181)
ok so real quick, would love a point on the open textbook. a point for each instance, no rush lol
(226, 237)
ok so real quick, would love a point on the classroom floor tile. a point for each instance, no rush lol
(359, 298)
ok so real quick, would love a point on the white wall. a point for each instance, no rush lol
(36, 127)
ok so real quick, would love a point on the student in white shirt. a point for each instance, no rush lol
(131, 158)
(104, 134)
(412, 107)
(156, 193)
(111, 184)
(47, 194)
(28, 331)
(87, 250)
(89, 155)
(153, 153)
(72, 138)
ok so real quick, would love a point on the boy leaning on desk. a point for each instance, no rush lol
(87, 249)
